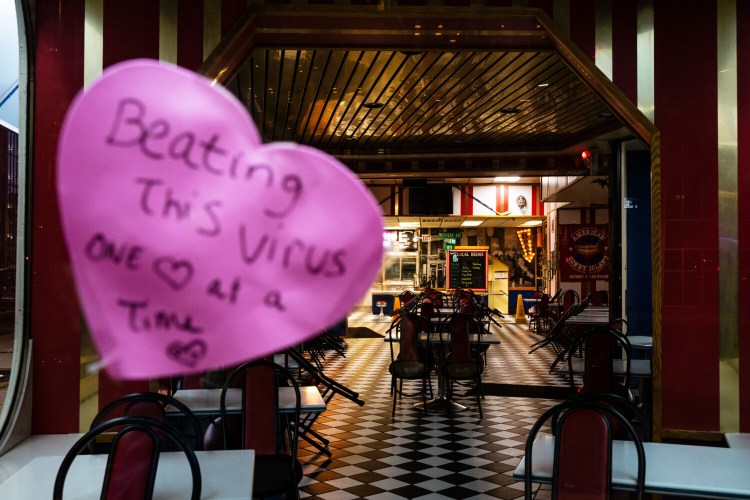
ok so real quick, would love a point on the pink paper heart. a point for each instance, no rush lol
(193, 245)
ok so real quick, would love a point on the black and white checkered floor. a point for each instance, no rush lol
(412, 455)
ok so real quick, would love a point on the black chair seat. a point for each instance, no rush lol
(407, 369)
(462, 370)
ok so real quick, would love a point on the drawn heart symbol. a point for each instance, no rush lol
(184, 230)
(176, 273)
(188, 354)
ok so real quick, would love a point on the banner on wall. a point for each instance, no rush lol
(584, 252)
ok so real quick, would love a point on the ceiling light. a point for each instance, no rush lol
(408, 224)
(507, 179)
(543, 85)
(532, 223)
(471, 223)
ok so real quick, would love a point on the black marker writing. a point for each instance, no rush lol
(216, 289)
(176, 273)
(100, 249)
(156, 139)
(140, 319)
(295, 253)
(189, 354)
(273, 299)
(159, 200)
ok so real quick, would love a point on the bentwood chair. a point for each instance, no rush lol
(582, 462)
(464, 360)
(413, 361)
(260, 426)
(133, 458)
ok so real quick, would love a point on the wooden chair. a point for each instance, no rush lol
(133, 458)
(261, 427)
(582, 464)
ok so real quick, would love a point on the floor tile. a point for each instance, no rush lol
(431, 456)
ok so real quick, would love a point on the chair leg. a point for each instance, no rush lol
(395, 395)
(479, 400)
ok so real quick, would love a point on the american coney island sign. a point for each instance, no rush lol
(584, 252)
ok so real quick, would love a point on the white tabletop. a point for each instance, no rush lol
(670, 468)
(224, 474)
(638, 367)
(208, 401)
(641, 341)
(738, 439)
(588, 319)
(434, 338)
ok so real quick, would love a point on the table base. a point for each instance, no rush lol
(441, 405)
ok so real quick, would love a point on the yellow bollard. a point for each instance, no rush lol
(520, 311)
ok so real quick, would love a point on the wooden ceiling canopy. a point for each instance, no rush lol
(413, 92)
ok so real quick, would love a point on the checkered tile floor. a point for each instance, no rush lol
(412, 455)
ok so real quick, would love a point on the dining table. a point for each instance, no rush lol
(671, 469)
(225, 475)
(204, 402)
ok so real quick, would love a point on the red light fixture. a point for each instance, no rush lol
(586, 157)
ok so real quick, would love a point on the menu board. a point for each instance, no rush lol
(467, 269)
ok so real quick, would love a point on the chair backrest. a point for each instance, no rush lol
(262, 426)
(133, 457)
(569, 299)
(461, 327)
(427, 311)
(409, 330)
(153, 405)
(627, 408)
(577, 474)
(411, 361)
(599, 347)
(544, 300)
(599, 298)
(582, 465)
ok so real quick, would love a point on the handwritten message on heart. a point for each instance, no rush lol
(194, 245)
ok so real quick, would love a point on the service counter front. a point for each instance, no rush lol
(384, 299)
(516, 294)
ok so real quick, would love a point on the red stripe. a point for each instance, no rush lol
(743, 202)
(231, 10)
(582, 25)
(190, 34)
(545, 5)
(55, 316)
(685, 94)
(624, 47)
(131, 30)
